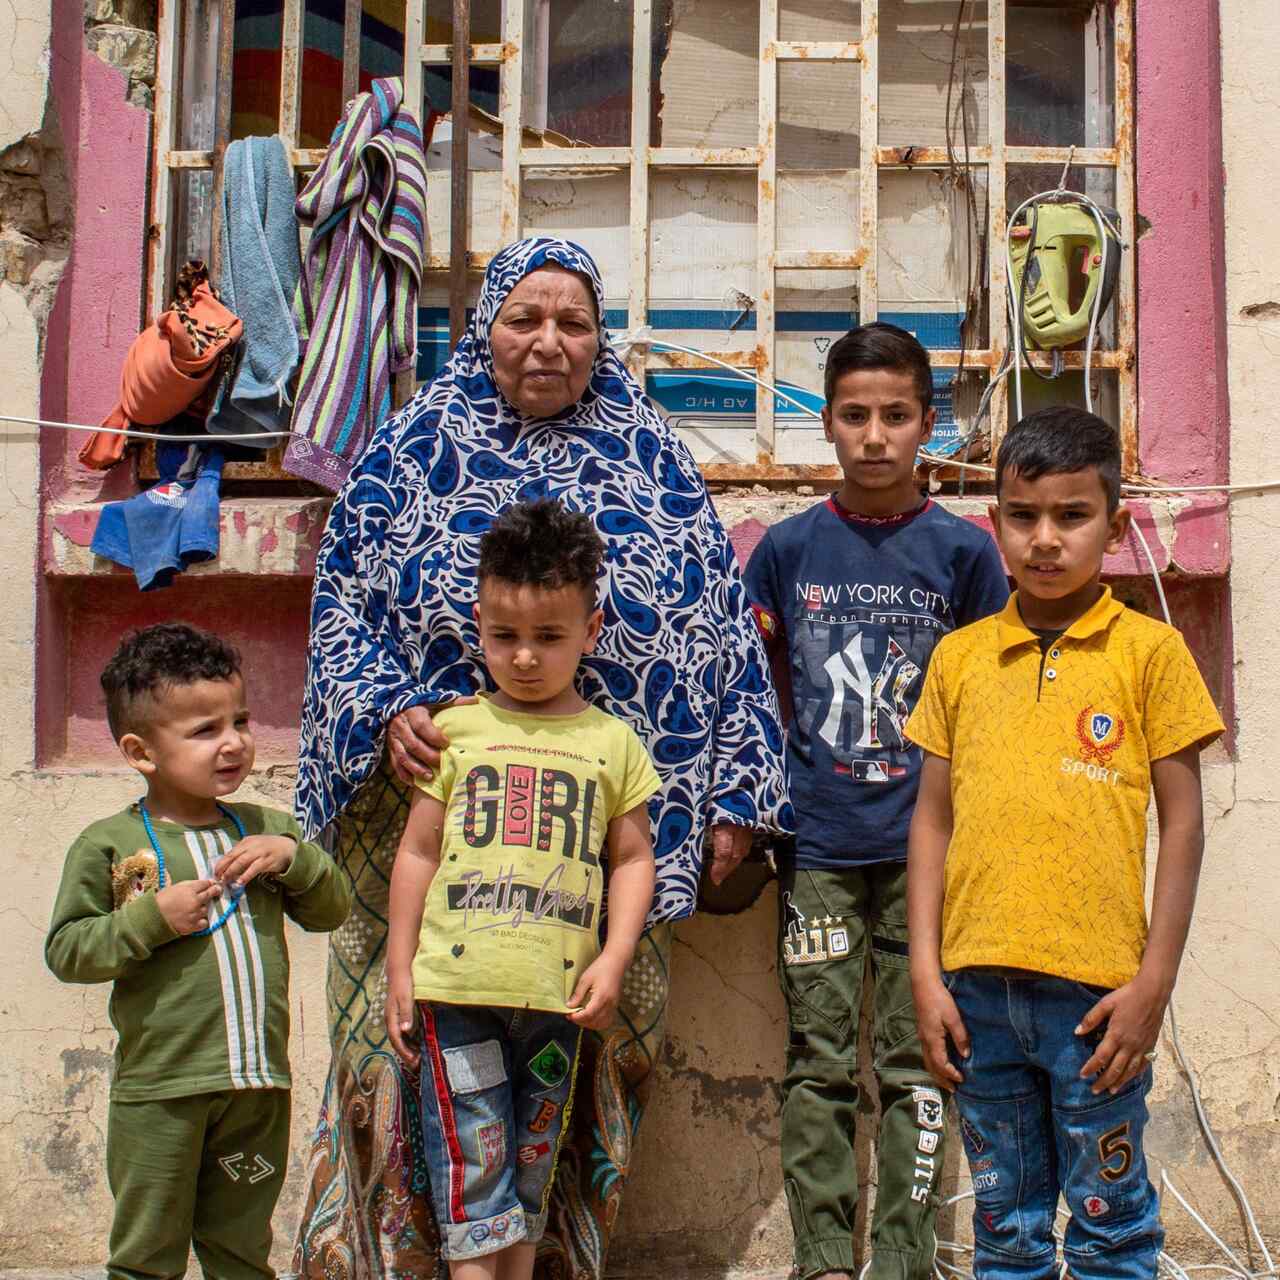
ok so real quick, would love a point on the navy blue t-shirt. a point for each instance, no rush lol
(860, 604)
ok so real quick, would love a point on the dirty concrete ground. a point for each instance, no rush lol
(95, 1272)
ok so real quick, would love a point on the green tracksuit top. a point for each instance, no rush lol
(193, 1015)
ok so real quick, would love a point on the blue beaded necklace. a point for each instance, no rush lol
(237, 890)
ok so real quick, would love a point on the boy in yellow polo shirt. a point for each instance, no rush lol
(1039, 988)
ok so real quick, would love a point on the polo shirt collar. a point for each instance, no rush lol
(1014, 632)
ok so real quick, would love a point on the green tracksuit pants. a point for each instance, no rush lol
(204, 1170)
(828, 922)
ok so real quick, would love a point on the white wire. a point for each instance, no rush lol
(208, 438)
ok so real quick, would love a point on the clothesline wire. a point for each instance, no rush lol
(130, 433)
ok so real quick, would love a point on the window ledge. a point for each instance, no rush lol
(279, 537)
(262, 537)
(1189, 535)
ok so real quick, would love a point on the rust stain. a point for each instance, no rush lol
(753, 359)
(747, 473)
(766, 189)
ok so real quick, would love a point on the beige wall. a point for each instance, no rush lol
(707, 1192)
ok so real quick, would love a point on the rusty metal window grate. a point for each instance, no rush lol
(800, 164)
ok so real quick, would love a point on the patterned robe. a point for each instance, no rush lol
(679, 659)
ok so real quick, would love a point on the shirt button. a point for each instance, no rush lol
(1050, 674)
(1055, 653)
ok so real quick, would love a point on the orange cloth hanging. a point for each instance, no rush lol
(169, 365)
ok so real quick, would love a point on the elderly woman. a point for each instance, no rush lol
(533, 403)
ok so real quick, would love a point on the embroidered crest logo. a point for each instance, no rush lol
(1100, 736)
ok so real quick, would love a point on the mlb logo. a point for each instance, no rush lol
(1100, 727)
(837, 942)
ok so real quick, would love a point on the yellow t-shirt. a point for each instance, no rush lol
(1050, 781)
(512, 917)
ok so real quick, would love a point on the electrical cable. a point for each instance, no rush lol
(207, 438)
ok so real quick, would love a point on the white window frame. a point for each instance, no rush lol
(642, 160)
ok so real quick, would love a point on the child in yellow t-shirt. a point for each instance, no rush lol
(1047, 728)
(497, 894)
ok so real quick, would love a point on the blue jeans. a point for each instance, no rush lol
(1031, 1129)
(497, 1085)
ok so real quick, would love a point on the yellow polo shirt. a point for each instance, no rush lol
(1050, 781)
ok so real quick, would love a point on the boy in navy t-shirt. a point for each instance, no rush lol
(857, 591)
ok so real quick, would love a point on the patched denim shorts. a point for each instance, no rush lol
(497, 1086)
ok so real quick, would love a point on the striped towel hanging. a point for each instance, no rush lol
(357, 301)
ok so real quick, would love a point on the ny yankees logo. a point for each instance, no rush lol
(882, 700)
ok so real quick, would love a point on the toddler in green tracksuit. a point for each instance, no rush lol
(179, 902)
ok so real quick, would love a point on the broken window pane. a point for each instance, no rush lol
(706, 89)
(933, 74)
(819, 112)
(1061, 74)
(932, 266)
(577, 69)
(591, 208)
(819, 20)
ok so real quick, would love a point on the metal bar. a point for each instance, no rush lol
(575, 157)
(869, 178)
(704, 157)
(767, 227)
(909, 157)
(482, 55)
(221, 126)
(1127, 293)
(1093, 156)
(708, 359)
(186, 159)
(511, 98)
(991, 358)
(291, 72)
(820, 259)
(817, 50)
(744, 473)
(641, 114)
(997, 208)
(160, 233)
(299, 157)
(406, 380)
(459, 112)
(352, 12)
(476, 263)
(413, 24)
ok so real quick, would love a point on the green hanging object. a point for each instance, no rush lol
(1057, 247)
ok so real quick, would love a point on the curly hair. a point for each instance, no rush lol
(543, 544)
(156, 658)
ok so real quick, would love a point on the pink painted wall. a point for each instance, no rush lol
(95, 316)
(1183, 410)
(98, 309)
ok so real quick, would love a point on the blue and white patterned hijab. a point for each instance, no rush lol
(679, 658)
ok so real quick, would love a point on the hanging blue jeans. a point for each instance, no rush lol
(1032, 1128)
(161, 531)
